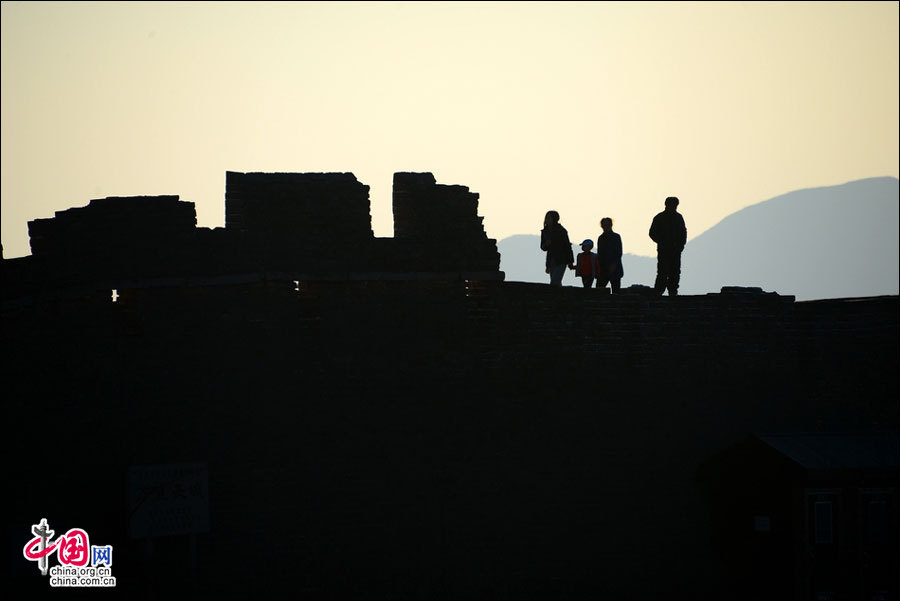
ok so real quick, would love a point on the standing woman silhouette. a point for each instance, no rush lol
(555, 241)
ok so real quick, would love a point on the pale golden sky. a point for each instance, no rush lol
(591, 109)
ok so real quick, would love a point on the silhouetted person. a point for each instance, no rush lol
(670, 234)
(555, 240)
(586, 264)
(609, 257)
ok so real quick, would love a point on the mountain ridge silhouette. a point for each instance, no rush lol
(826, 242)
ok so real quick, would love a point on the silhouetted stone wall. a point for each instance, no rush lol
(307, 221)
(115, 237)
(397, 430)
(426, 438)
(306, 225)
(443, 225)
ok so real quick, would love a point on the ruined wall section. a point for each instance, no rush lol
(115, 237)
(438, 226)
(307, 222)
(304, 225)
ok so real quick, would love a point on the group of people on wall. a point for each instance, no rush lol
(605, 265)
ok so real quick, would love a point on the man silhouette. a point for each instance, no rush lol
(670, 234)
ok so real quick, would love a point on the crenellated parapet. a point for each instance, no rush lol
(304, 225)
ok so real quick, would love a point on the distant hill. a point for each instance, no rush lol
(831, 242)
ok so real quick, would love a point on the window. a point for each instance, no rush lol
(877, 522)
(822, 516)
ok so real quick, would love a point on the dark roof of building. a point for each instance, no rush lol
(838, 450)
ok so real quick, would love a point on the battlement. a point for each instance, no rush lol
(312, 224)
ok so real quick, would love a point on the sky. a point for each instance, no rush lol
(591, 109)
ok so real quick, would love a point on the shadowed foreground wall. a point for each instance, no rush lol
(385, 418)
(419, 438)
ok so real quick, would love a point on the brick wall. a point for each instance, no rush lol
(305, 221)
(423, 438)
(114, 237)
(443, 225)
(302, 224)
(394, 421)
